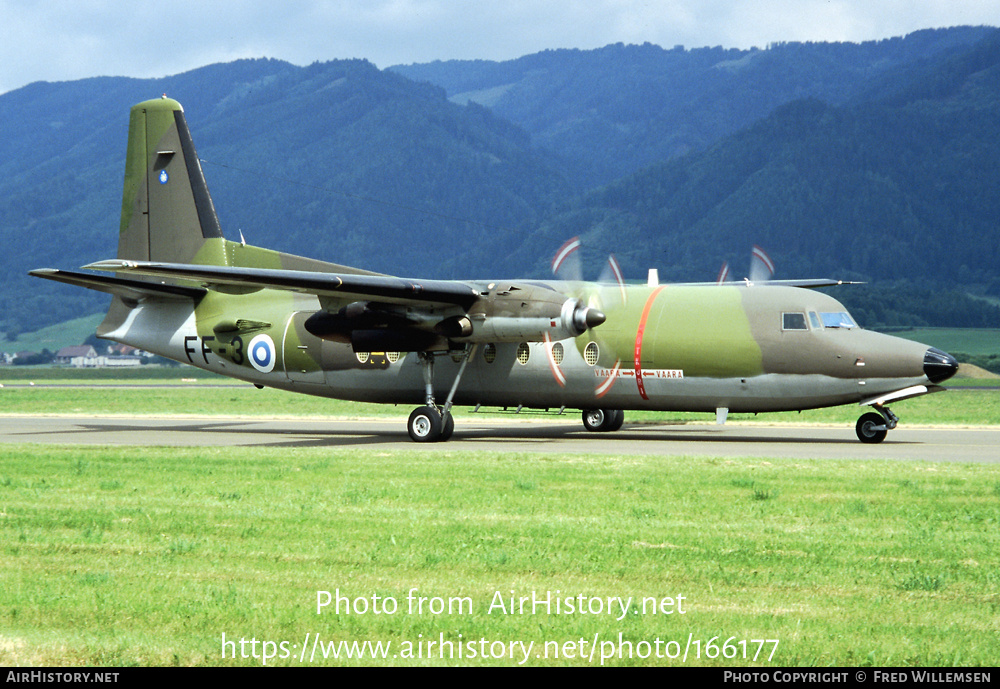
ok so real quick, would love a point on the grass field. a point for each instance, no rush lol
(140, 375)
(976, 341)
(57, 336)
(112, 557)
(960, 406)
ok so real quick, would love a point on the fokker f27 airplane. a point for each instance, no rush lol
(183, 291)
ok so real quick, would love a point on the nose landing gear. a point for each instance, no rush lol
(872, 428)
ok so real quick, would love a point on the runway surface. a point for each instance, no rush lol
(562, 435)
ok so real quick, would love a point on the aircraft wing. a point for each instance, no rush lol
(808, 283)
(122, 287)
(381, 288)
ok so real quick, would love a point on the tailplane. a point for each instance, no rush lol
(167, 212)
(168, 218)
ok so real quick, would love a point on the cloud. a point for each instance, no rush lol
(63, 39)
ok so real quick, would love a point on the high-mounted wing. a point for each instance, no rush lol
(379, 310)
(806, 283)
(123, 287)
(381, 288)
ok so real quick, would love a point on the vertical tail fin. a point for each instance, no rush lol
(167, 212)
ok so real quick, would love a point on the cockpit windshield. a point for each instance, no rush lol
(837, 320)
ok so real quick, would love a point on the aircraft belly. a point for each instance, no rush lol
(157, 327)
(695, 393)
(538, 384)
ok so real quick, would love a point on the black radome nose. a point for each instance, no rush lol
(939, 366)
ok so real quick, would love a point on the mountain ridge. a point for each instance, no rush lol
(348, 163)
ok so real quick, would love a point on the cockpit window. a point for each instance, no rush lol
(838, 320)
(793, 321)
(814, 319)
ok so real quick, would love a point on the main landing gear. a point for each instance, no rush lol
(872, 427)
(603, 420)
(428, 424)
(431, 423)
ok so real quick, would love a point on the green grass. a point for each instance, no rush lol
(955, 407)
(140, 375)
(113, 557)
(975, 341)
(55, 337)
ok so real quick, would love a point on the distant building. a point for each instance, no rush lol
(80, 356)
(120, 361)
(123, 350)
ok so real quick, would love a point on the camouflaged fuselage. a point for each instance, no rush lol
(665, 348)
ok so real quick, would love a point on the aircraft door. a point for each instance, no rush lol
(302, 352)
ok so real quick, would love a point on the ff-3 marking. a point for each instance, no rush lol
(206, 348)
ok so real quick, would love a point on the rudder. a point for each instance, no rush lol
(167, 212)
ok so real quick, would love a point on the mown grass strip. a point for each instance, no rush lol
(115, 557)
(954, 407)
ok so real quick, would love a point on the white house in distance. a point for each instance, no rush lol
(79, 356)
(85, 356)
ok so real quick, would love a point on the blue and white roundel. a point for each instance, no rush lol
(164, 177)
(261, 352)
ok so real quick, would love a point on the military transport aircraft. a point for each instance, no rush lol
(183, 291)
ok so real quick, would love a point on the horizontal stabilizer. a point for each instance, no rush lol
(375, 287)
(122, 287)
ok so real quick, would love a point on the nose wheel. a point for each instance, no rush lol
(872, 428)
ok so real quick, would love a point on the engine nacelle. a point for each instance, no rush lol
(573, 319)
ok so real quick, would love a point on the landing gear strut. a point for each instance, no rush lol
(431, 423)
(872, 427)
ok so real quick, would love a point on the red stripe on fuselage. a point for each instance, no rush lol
(638, 342)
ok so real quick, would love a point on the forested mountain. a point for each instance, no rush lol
(872, 161)
(618, 109)
(339, 161)
(902, 187)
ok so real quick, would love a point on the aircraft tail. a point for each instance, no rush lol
(167, 212)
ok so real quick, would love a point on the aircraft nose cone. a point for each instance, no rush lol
(939, 366)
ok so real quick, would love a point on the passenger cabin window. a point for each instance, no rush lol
(793, 321)
(838, 320)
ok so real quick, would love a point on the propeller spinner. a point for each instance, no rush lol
(608, 292)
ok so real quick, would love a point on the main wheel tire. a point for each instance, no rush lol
(448, 427)
(871, 428)
(603, 420)
(425, 425)
(618, 418)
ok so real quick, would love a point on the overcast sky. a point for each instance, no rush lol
(58, 40)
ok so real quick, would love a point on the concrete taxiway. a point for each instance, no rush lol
(561, 435)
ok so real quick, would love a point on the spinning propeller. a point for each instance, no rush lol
(566, 265)
(607, 294)
(761, 269)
